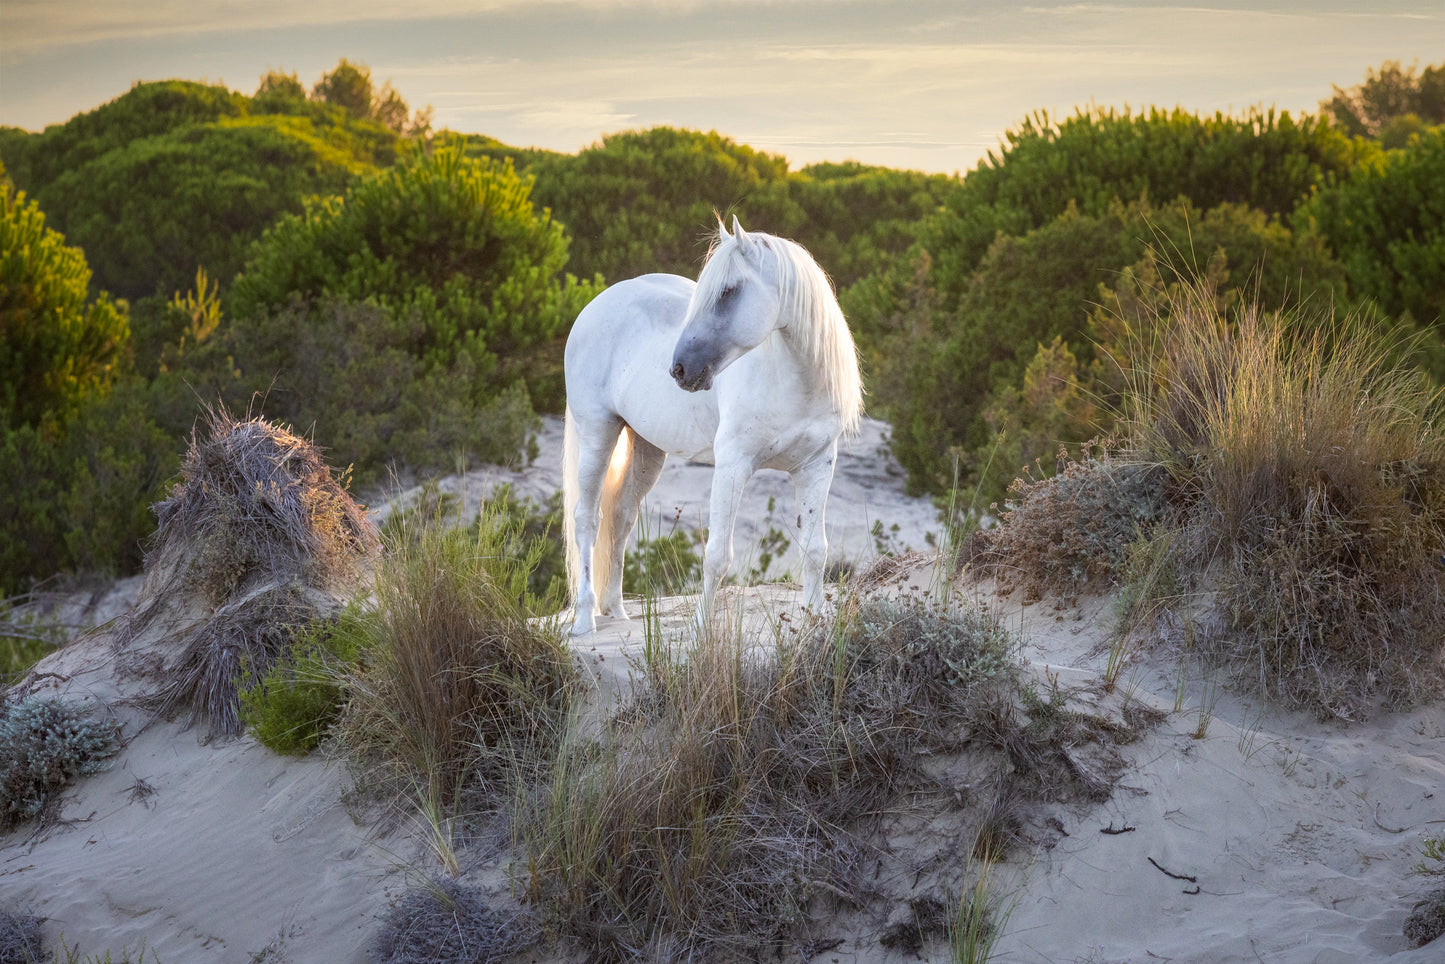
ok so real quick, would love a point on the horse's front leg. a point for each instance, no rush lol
(728, 480)
(811, 484)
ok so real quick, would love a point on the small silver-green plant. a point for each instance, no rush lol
(44, 744)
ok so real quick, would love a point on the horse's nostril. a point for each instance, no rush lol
(677, 371)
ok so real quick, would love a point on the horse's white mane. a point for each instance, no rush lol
(809, 308)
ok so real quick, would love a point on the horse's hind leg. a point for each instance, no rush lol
(595, 443)
(642, 472)
(811, 484)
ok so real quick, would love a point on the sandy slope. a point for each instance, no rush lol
(1299, 836)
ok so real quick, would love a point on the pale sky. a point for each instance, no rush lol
(924, 84)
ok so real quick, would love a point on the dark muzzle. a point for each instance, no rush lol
(695, 379)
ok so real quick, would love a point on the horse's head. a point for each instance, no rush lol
(734, 308)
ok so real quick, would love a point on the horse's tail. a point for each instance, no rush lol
(617, 471)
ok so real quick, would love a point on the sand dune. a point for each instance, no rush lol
(1270, 838)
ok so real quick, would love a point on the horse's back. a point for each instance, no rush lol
(617, 360)
(649, 300)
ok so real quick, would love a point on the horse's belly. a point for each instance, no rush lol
(677, 422)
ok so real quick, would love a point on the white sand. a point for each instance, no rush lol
(1300, 836)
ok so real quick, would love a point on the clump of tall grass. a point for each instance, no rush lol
(454, 684)
(738, 791)
(1309, 467)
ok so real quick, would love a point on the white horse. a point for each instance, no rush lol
(752, 367)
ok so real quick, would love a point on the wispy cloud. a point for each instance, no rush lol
(913, 83)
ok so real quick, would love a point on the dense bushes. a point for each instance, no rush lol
(1034, 288)
(1385, 220)
(643, 201)
(75, 436)
(149, 212)
(146, 110)
(416, 320)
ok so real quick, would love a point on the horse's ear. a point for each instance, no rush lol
(739, 235)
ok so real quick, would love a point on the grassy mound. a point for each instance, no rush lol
(1289, 475)
(257, 539)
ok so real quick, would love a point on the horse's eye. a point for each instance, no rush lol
(727, 295)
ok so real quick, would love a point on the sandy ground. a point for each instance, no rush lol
(1292, 841)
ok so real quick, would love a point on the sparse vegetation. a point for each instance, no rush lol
(44, 744)
(740, 770)
(1288, 463)
(1311, 473)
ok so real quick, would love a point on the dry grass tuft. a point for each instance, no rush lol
(455, 686)
(1070, 533)
(1311, 470)
(449, 922)
(745, 786)
(1283, 468)
(258, 538)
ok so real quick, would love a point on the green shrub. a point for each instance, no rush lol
(291, 707)
(1427, 918)
(44, 744)
(417, 320)
(643, 201)
(664, 566)
(1385, 221)
(59, 345)
(351, 372)
(85, 507)
(1387, 95)
(955, 376)
(150, 211)
(1264, 159)
(146, 110)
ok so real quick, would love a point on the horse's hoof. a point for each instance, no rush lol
(579, 628)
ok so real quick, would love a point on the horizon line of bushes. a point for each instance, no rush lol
(403, 296)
